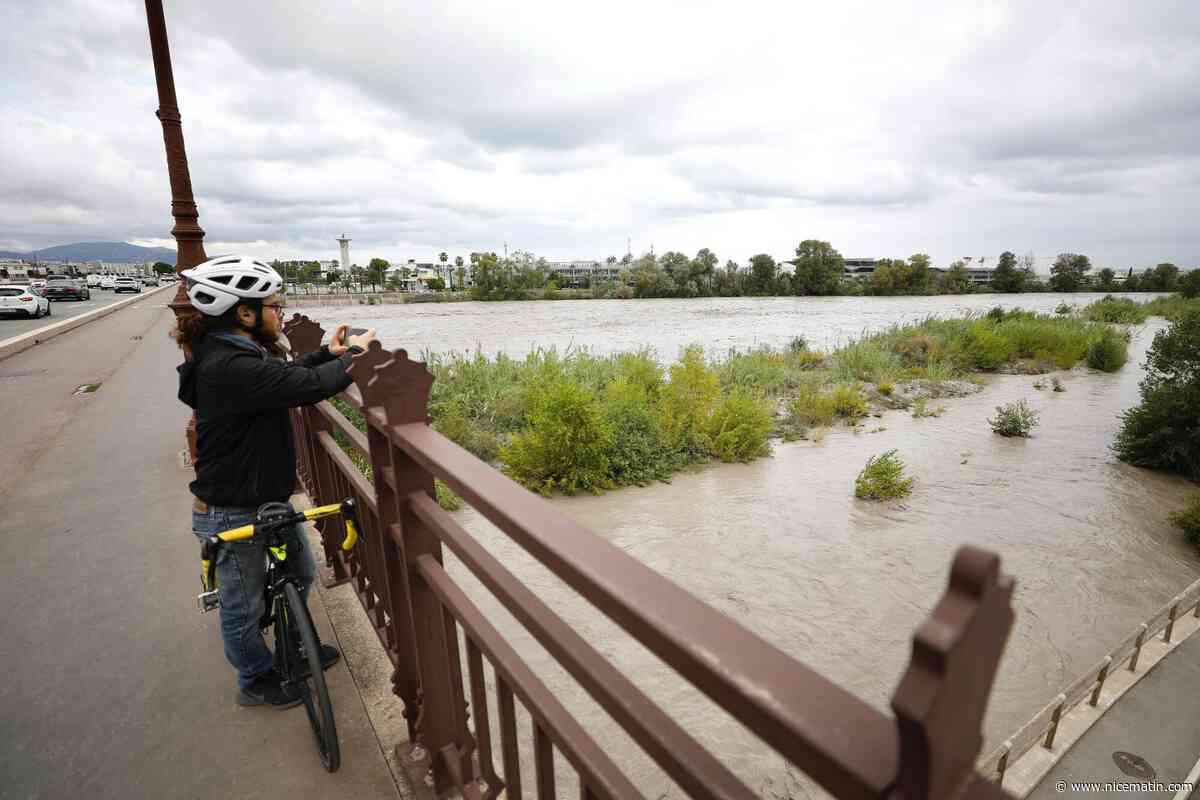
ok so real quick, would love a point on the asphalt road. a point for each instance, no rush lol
(114, 686)
(13, 325)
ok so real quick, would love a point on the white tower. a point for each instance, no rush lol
(345, 243)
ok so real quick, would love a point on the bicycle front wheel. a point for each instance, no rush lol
(295, 636)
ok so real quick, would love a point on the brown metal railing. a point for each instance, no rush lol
(854, 751)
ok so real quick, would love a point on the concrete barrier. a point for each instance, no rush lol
(17, 344)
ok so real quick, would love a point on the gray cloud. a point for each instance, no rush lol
(415, 128)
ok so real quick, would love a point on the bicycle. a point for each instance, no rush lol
(295, 637)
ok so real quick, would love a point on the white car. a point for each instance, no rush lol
(93, 280)
(124, 283)
(107, 281)
(149, 280)
(18, 299)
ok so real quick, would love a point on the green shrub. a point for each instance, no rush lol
(1163, 432)
(885, 388)
(812, 408)
(1014, 419)
(565, 447)
(739, 427)
(638, 453)
(687, 402)
(848, 402)
(1107, 352)
(1188, 520)
(883, 478)
(987, 349)
(1116, 309)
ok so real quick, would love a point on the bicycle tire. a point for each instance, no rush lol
(313, 690)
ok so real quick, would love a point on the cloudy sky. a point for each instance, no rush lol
(565, 128)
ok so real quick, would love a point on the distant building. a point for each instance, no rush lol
(575, 274)
(858, 269)
(980, 269)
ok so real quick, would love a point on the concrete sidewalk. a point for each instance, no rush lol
(1156, 720)
(114, 686)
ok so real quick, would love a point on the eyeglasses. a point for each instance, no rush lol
(277, 306)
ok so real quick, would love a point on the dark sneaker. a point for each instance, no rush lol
(267, 691)
(329, 657)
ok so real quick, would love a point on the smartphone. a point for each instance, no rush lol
(353, 332)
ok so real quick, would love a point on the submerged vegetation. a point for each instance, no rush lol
(1014, 419)
(579, 422)
(1188, 519)
(883, 478)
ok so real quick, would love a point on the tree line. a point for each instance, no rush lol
(817, 269)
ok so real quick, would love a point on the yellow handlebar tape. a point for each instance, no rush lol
(237, 534)
(351, 535)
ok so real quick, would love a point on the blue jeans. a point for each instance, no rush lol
(241, 582)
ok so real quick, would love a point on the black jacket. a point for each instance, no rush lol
(245, 452)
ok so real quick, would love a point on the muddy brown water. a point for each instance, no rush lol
(782, 546)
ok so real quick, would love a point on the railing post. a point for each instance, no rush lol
(304, 337)
(393, 587)
(1171, 622)
(943, 695)
(1100, 680)
(1054, 720)
(1137, 647)
(1002, 764)
(401, 387)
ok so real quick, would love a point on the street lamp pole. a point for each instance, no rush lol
(189, 236)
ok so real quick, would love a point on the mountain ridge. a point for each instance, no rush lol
(116, 252)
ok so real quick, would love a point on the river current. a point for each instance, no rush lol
(782, 546)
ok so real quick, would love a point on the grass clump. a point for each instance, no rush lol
(1120, 310)
(812, 408)
(1188, 520)
(883, 478)
(921, 409)
(739, 428)
(1014, 419)
(1107, 351)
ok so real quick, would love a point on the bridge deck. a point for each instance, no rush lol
(113, 684)
(1157, 720)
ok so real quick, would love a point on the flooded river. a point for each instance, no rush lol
(782, 546)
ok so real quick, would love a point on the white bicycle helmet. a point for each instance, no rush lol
(218, 284)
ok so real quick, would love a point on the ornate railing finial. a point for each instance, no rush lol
(942, 697)
(303, 334)
(402, 386)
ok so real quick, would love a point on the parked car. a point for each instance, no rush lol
(149, 280)
(64, 287)
(125, 283)
(38, 286)
(107, 281)
(168, 277)
(93, 280)
(18, 299)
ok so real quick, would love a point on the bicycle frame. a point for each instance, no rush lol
(273, 530)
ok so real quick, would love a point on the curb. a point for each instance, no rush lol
(18, 344)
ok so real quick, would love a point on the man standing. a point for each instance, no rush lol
(245, 452)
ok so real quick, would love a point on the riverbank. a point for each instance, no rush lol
(574, 421)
